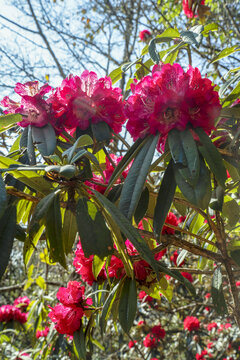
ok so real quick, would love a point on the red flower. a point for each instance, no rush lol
(10, 312)
(42, 333)
(191, 323)
(209, 344)
(228, 325)
(72, 295)
(188, 8)
(35, 109)
(237, 283)
(158, 331)
(150, 341)
(212, 326)
(83, 266)
(187, 276)
(171, 98)
(22, 302)
(171, 219)
(144, 297)
(141, 323)
(81, 100)
(174, 257)
(67, 319)
(145, 35)
(207, 296)
(131, 344)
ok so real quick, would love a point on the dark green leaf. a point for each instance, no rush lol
(114, 193)
(69, 230)
(128, 304)
(217, 292)
(3, 196)
(7, 233)
(20, 233)
(108, 305)
(164, 200)
(192, 156)
(24, 138)
(153, 52)
(131, 153)
(235, 255)
(40, 212)
(128, 230)
(212, 156)
(142, 206)
(45, 139)
(176, 148)
(231, 211)
(30, 147)
(136, 178)
(200, 194)
(101, 132)
(218, 204)
(94, 235)
(79, 342)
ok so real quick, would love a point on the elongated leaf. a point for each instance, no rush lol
(136, 178)
(69, 230)
(94, 235)
(53, 222)
(228, 83)
(131, 153)
(30, 244)
(79, 342)
(225, 52)
(176, 148)
(24, 138)
(3, 196)
(8, 121)
(40, 212)
(128, 304)
(29, 178)
(7, 233)
(128, 230)
(97, 265)
(30, 147)
(235, 255)
(83, 140)
(212, 156)
(193, 36)
(45, 139)
(101, 132)
(192, 156)
(116, 74)
(217, 292)
(199, 194)
(164, 200)
(153, 51)
(108, 305)
(142, 206)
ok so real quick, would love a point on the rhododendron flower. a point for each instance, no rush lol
(143, 296)
(191, 323)
(82, 100)
(67, 319)
(188, 8)
(35, 110)
(187, 276)
(171, 219)
(22, 302)
(150, 341)
(83, 266)
(212, 326)
(174, 257)
(42, 333)
(171, 98)
(11, 312)
(228, 325)
(145, 35)
(237, 283)
(158, 331)
(131, 344)
(207, 296)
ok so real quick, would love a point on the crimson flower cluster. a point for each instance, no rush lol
(68, 313)
(145, 35)
(152, 339)
(188, 8)
(171, 98)
(11, 312)
(42, 333)
(191, 323)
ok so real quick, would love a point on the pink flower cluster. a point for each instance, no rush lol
(11, 312)
(152, 339)
(191, 323)
(145, 35)
(22, 302)
(68, 313)
(78, 102)
(188, 8)
(171, 98)
(42, 333)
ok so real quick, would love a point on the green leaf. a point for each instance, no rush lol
(153, 52)
(24, 138)
(116, 74)
(130, 154)
(209, 27)
(69, 230)
(164, 200)
(212, 156)
(94, 235)
(128, 230)
(232, 112)
(8, 121)
(84, 140)
(40, 212)
(30, 244)
(29, 178)
(136, 178)
(101, 132)
(231, 211)
(142, 206)
(108, 305)
(53, 222)
(192, 36)
(235, 255)
(7, 233)
(228, 83)
(176, 148)
(217, 292)
(30, 147)
(200, 194)
(128, 304)
(3, 196)
(97, 265)
(45, 139)
(79, 342)
(226, 52)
